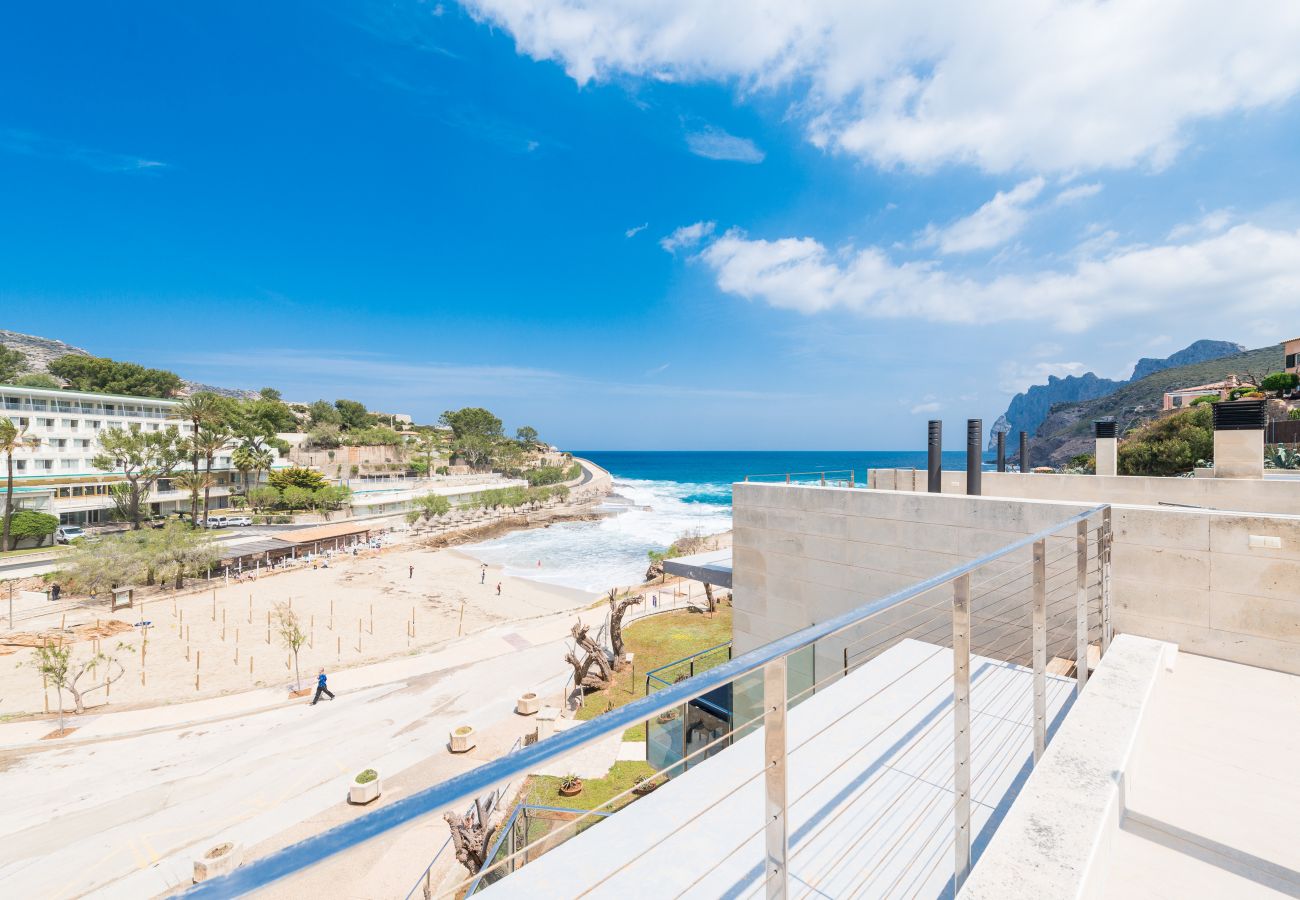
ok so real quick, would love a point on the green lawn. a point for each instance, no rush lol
(544, 790)
(657, 641)
(26, 550)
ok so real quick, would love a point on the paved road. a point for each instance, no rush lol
(124, 816)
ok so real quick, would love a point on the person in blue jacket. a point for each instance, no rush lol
(321, 688)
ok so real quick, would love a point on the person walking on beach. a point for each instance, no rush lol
(498, 589)
(482, 575)
(410, 571)
(321, 688)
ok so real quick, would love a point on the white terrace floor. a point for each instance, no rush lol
(870, 788)
(1214, 803)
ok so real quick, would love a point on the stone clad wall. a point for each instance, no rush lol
(802, 554)
(1266, 495)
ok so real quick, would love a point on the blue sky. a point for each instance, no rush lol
(746, 225)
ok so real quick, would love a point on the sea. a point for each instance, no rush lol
(659, 496)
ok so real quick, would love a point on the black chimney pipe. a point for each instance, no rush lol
(1002, 451)
(936, 456)
(974, 455)
(1024, 452)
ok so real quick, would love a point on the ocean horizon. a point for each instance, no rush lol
(658, 496)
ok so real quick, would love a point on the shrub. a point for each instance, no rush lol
(1280, 382)
(1170, 445)
(367, 776)
(297, 476)
(1208, 398)
(28, 523)
(1293, 414)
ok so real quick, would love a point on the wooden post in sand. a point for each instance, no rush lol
(331, 613)
(250, 665)
(214, 606)
(339, 649)
(372, 618)
(358, 635)
(250, 609)
(198, 659)
(461, 627)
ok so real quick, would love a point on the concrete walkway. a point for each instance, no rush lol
(131, 797)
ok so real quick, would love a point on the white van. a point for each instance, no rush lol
(214, 522)
(241, 521)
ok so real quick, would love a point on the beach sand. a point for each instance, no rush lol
(359, 610)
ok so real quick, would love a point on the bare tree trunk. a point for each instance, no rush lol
(618, 609)
(708, 595)
(469, 838)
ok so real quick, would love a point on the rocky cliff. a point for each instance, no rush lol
(1067, 430)
(1028, 410)
(40, 352)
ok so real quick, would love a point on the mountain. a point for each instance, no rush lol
(1028, 409)
(40, 352)
(1189, 355)
(1067, 430)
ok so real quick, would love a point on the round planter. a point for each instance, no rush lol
(462, 739)
(528, 704)
(219, 860)
(571, 791)
(361, 794)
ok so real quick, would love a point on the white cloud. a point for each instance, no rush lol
(1052, 85)
(993, 224)
(1250, 270)
(1210, 223)
(656, 370)
(931, 406)
(29, 143)
(1078, 192)
(714, 143)
(687, 236)
(636, 229)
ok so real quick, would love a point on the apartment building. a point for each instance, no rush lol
(58, 476)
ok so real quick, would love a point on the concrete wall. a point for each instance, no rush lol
(1192, 577)
(1243, 494)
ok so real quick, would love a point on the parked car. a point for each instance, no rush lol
(241, 521)
(215, 522)
(66, 534)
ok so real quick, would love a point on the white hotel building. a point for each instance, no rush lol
(58, 476)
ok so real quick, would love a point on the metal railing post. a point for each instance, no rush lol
(1040, 649)
(774, 756)
(1081, 607)
(961, 727)
(1103, 551)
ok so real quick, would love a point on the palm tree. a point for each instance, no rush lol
(196, 483)
(262, 460)
(209, 443)
(200, 410)
(243, 461)
(12, 439)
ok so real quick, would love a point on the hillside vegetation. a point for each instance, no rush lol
(1067, 430)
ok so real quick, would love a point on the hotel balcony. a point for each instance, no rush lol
(932, 695)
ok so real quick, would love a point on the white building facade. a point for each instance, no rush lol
(58, 476)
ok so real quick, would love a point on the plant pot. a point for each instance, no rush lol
(361, 794)
(219, 860)
(528, 704)
(571, 791)
(462, 739)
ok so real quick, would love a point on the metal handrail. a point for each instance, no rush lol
(654, 673)
(446, 794)
(822, 473)
(504, 832)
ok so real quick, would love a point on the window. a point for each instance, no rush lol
(69, 464)
(153, 426)
(70, 424)
(65, 492)
(20, 465)
(45, 423)
(43, 465)
(83, 443)
(93, 423)
(76, 492)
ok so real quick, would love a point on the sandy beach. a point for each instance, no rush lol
(403, 599)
